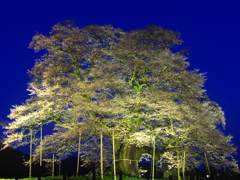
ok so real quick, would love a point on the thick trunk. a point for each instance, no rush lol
(128, 157)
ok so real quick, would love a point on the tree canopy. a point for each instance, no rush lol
(99, 80)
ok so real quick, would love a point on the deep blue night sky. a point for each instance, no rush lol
(210, 28)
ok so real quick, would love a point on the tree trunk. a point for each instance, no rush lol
(127, 162)
(78, 159)
(153, 159)
(207, 165)
(125, 153)
(114, 162)
(59, 167)
(183, 164)
(178, 168)
(41, 146)
(30, 160)
(101, 155)
(53, 160)
(195, 176)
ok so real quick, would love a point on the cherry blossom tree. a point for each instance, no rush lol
(130, 86)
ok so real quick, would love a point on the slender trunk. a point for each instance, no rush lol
(153, 159)
(114, 162)
(101, 155)
(40, 158)
(207, 165)
(195, 175)
(178, 168)
(183, 164)
(78, 159)
(53, 160)
(30, 161)
(178, 172)
(59, 167)
(41, 146)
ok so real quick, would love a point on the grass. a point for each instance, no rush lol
(106, 177)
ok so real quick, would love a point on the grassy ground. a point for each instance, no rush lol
(82, 178)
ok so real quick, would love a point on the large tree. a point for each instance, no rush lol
(129, 86)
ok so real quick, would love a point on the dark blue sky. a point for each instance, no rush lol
(210, 28)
